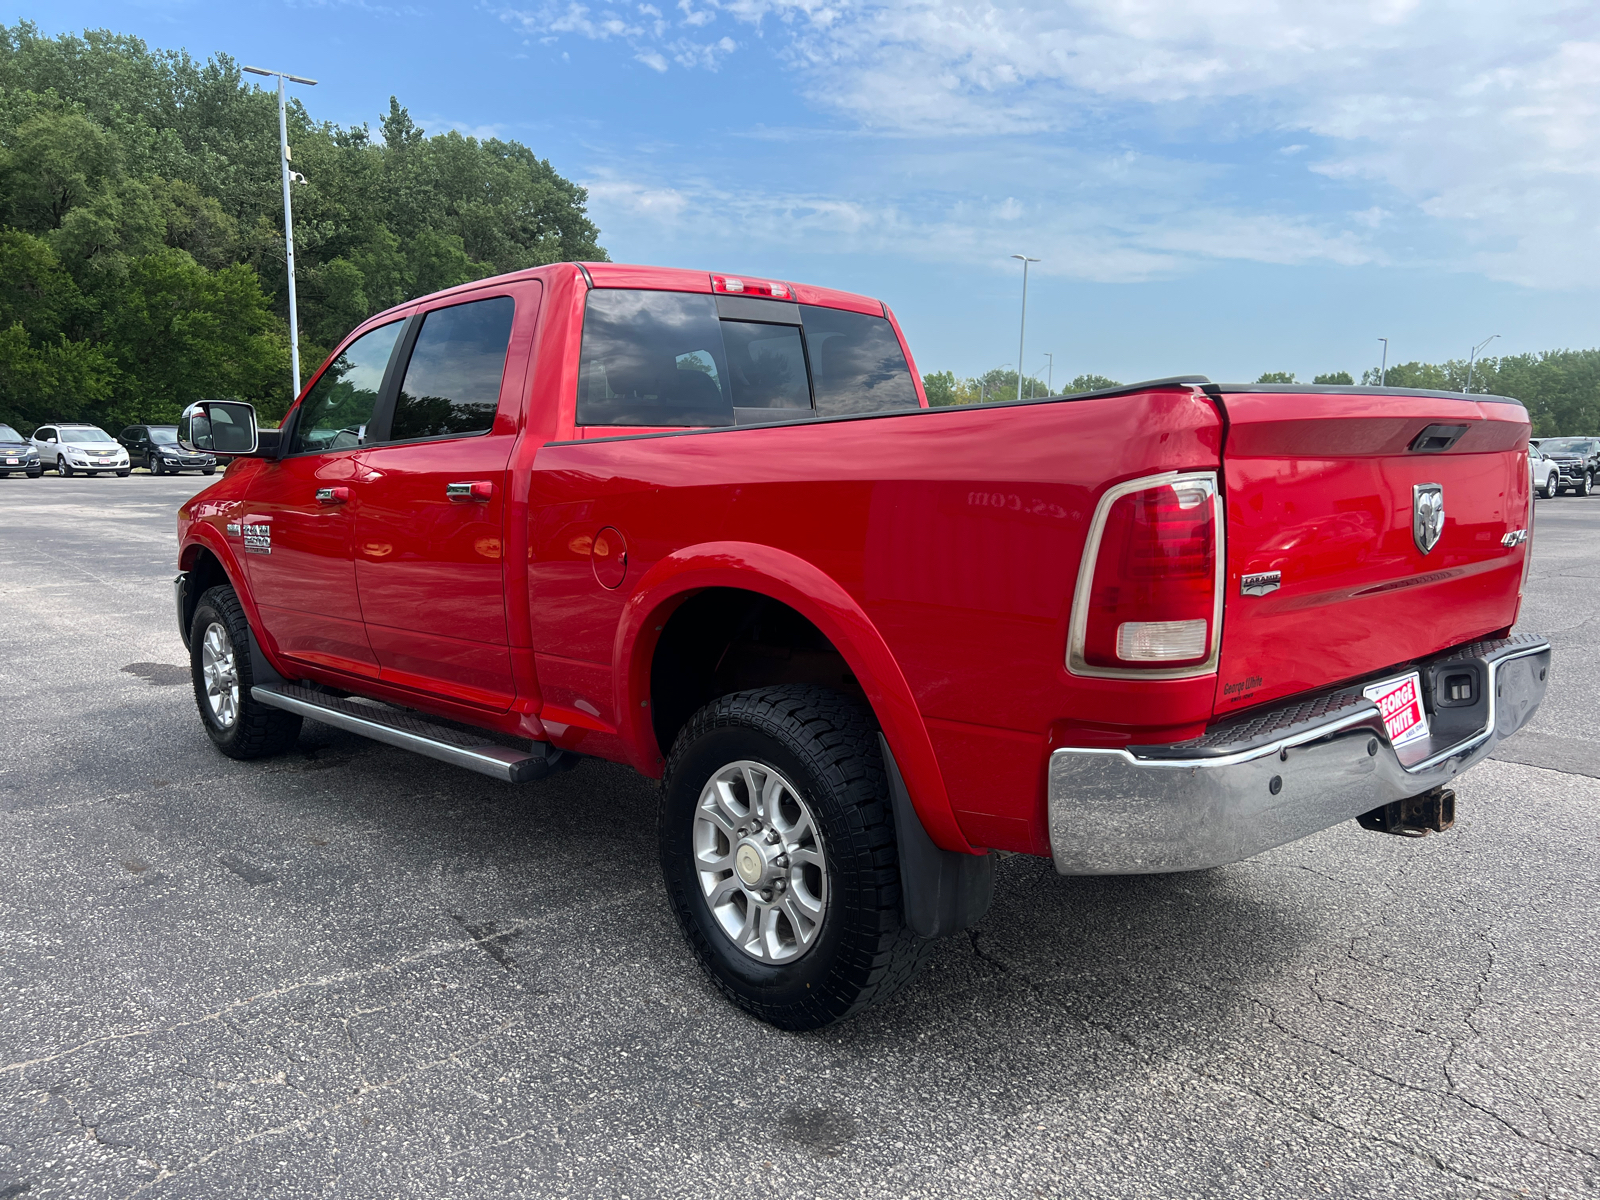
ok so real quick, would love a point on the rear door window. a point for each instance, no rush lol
(652, 358)
(857, 365)
(452, 381)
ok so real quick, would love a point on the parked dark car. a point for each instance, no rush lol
(1578, 458)
(17, 454)
(155, 447)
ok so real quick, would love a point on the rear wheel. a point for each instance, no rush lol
(778, 848)
(219, 662)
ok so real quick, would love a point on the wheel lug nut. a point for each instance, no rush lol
(743, 831)
(766, 894)
(780, 884)
(755, 824)
(772, 837)
(781, 861)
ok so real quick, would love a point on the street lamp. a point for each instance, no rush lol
(1383, 371)
(288, 215)
(1473, 353)
(1022, 336)
(1050, 375)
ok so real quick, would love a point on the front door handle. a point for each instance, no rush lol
(333, 495)
(479, 490)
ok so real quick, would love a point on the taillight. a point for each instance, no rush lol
(1149, 602)
(734, 285)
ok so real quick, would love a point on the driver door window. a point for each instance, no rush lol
(338, 409)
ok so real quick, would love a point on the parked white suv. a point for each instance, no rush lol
(70, 447)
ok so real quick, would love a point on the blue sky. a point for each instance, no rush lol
(1222, 187)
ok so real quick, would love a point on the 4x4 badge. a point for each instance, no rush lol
(1427, 515)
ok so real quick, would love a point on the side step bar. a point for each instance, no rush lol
(472, 751)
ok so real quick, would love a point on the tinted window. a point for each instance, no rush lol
(85, 436)
(334, 415)
(8, 434)
(766, 368)
(652, 358)
(452, 383)
(856, 363)
(44, 433)
(163, 437)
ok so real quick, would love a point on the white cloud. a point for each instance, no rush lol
(1478, 118)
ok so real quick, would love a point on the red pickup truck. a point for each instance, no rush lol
(708, 526)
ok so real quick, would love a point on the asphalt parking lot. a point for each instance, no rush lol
(352, 972)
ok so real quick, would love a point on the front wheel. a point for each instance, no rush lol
(1550, 486)
(62, 468)
(208, 470)
(219, 663)
(778, 849)
(124, 473)
(1582, 487)
(155, 465)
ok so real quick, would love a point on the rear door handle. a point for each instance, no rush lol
(333, 495)
(479, 490)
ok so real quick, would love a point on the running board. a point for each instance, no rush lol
(397, 728)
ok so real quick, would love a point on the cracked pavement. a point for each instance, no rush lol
(352, 972)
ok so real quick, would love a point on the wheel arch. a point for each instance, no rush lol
(818, 599)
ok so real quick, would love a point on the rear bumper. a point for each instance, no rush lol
(1250, 785)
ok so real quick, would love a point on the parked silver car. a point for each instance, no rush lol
(1543, 472)
(69, 447)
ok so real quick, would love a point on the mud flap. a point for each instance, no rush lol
(942, 891)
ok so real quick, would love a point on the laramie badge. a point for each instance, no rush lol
(1427, 515)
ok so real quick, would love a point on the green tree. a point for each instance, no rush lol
(1335, 377)
(142, 257)
(1276, 377)
(1090, 383)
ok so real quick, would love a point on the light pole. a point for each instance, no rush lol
(1383, 371)
(1473, 353)
(288, 215)
(1050, 375)
(1023, 334)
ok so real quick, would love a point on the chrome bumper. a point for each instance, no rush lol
(1277, 777)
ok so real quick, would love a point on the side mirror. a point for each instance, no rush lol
(219, 427)
(50, 441)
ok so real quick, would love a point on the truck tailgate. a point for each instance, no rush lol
(1325, 489)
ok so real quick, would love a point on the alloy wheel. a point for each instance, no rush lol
(758, 853)
(221, 674)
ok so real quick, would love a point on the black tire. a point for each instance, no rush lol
(826, 744)
(154, 462)
(62, 469)
(124, 473)
(1549, 487)
(1584, 486)
(208, 470)
(36, 473)
(256, 730)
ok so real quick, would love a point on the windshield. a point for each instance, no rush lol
(1566, 445)
(8, 434)
(85, 435)
(163, 437)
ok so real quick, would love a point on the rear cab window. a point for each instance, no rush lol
(654, 360)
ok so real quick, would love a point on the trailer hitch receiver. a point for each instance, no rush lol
(1416, 816)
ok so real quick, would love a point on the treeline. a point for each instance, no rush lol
(1001, 384)
(1561, 388)
(141, 228)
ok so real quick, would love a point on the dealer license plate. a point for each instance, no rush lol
(11, 462)
(1400, 702)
